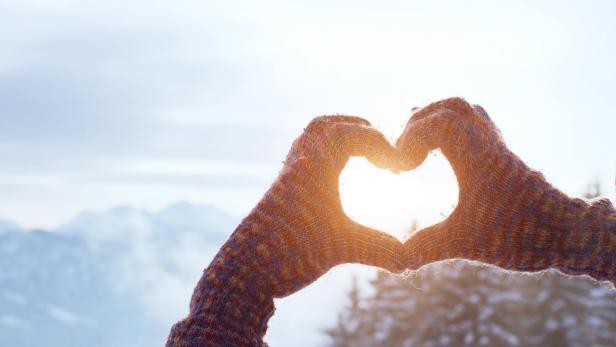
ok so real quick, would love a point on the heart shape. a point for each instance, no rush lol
(391, 202)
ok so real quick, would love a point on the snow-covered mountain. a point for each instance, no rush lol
(104, 278)
(6, 226)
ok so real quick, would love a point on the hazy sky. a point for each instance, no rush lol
(150, 102)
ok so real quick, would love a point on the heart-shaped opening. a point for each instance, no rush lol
(382, 200)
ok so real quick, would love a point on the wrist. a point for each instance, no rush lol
(229, 305)
(223, 319)
(243, 311)
(542, 220)
(590, 246)
(225, 310)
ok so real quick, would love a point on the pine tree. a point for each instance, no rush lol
(461, 303)
(352, 327)
(593, 190)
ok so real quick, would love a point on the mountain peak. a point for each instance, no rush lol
(6, 226)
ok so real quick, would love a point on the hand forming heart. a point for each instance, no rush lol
(507, 214)
(297, 232)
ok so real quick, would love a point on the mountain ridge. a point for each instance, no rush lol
(103, 274)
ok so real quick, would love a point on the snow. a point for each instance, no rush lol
(463, 303)
(505, 335)
(551, 324)
(469, 338)
(6, 226)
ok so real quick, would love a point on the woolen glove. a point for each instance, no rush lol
(297, 232)
(507, 214)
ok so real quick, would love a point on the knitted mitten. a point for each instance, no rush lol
(507, 214)
(297, 232)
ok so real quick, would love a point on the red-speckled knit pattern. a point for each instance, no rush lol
(507, 214)
(297, 232)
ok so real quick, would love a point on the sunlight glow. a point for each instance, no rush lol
(389, 202)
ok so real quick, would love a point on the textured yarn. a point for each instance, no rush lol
(297, 232)
(507, 214)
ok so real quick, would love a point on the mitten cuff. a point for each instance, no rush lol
(590, 244)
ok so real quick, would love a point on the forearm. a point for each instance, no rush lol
(590, 244)
(265, 257)
(534, 226)
(507, 214)
(229, 306)
(570, 234)
(224, 319)
(297, 232)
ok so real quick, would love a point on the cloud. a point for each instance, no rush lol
(13, 322)
(203, 173)
(67, 317)
(156, 256)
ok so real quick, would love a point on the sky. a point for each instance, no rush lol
(146, 103)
